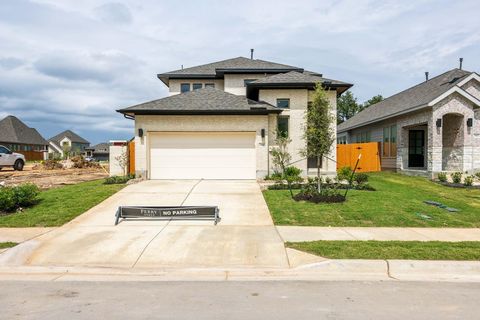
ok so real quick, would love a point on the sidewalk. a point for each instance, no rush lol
(19, 235)
(300, 234)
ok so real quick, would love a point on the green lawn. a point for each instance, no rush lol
(5, 245)
(398, 202)
(411, 250)
(60, 205)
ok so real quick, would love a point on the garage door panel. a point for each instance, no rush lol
(194, 155)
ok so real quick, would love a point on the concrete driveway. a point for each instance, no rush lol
(245, 237)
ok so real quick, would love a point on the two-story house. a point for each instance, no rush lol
(221, 119)
(67, 141)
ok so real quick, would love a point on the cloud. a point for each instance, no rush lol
(114, 12)
(10, 63)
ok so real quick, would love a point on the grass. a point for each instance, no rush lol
(408, 250)
(398, 202)
(60, 205)
(5, 245)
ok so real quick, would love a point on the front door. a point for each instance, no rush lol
(416, 148)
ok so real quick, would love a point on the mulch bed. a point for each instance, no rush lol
(319, 198)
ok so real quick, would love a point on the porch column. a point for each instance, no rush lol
(435, 146)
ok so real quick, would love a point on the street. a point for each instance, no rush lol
(239, 300)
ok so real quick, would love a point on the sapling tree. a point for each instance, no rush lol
(281, 158)
(319, 133)
(122, 161)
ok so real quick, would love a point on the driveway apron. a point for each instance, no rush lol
(245, 237)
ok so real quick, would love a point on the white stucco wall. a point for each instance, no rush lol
(234, 83)
(246, 123)
(115, 168)
(298, 105)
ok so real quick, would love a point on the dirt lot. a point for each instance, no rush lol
(47, 179)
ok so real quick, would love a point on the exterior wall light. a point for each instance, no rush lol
(439, 123)
(470, 122)
(140, 132)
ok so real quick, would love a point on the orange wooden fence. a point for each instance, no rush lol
(347, 155)
(131, 157)
(32, 155)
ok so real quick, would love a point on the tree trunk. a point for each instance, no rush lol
(319, 182)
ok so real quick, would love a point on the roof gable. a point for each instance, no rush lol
(202, 101)
(13, 130)
(411, 99)
(70, 135)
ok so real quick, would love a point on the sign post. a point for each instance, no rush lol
(168, 213)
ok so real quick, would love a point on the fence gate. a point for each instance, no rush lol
(131, 157)
(347, 155)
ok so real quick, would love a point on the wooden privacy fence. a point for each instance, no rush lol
(347, 155)
(131, 157)
(32, 155)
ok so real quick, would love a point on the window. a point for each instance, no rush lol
(209, 85)
(312, 163)
(363, 137)
(184, 87)
(282, 126)
(197, 86)
(283, 103)
(247, 81)
(342, 140)
(3, 150)
(389, 148)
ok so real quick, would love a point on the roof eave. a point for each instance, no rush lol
(259, 111)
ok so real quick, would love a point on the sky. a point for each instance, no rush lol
(69, 64)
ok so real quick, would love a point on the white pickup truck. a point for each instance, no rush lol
(11, 159)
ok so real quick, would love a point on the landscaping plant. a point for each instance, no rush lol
(360, 178)
(442, 177)
(344, 174)
(456, 177)
(118, 179)
(319, 133)
(12, 198)
(468, 181)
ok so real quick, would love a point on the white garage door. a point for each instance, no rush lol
(207, 155)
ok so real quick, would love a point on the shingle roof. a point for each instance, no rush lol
(70, 135)
(13, 130)
(103, 147)
(202, 101)
(216, 69)
(235, 63)
(294, 77)
(412, 98)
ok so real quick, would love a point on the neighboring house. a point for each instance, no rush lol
(20, 138)
(100, 152)
(67, 141)
(221, 120)
(429, 128)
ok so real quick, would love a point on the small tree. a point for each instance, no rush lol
(318, 131)
(281, 158)
(67, 149)
(122, 161)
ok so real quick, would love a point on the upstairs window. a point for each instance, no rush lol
(247, 81)
(184, 87)
(196, 86)
(363, 137)
(209, 85)
(283, 103)
(282, 126)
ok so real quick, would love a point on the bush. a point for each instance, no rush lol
(274, 176)
(292, 173)
(477, 175)
(360, 178)
(118, 179)
(344, 174)
(456, 177)
(442, 177)
(12, 198)
(468, 181)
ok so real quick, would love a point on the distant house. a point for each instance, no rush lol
(426, 129)
(67, 141)
(99, 152)
(20, 138)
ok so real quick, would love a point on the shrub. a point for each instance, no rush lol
(274, 176)
(12, 198)
(344, 174)
(468, 181)
(477, 175)
(360, 178)
(118, 179)
(442, 177)
(292, 173)
(456, 177)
